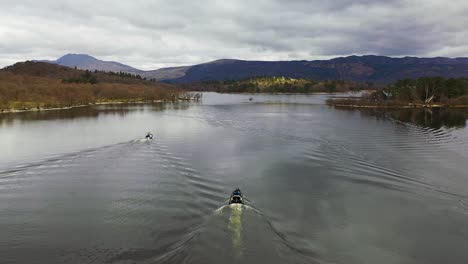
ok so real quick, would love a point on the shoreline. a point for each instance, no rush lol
(12, 111)
(311, 93)
(398, 106)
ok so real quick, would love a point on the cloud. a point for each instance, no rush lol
(153, 34)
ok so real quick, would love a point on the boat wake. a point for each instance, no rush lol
(236, 207)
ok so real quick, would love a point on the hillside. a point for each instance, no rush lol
(376, 69)
(40, 85)
(166, 73)
(43, 69)
(278, 85)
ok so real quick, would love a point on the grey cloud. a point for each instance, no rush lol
(152, 34)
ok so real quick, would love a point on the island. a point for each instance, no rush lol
(412, 93)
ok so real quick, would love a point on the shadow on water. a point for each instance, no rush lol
(432, 118)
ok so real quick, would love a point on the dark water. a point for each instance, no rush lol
(323, 185)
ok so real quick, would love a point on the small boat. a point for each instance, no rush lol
(149, 136)
(236, 197)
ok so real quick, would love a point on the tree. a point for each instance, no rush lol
(331, 87)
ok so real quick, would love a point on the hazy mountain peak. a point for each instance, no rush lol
(87, 62)
(76, 56)
(222, 61)
(72, 60)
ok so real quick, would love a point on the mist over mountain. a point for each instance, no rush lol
(369, 68)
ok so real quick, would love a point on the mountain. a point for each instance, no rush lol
(369, 68)
(378, 69)
(86, 62)
(166, 73)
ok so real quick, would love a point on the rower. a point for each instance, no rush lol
(149, 135)
(236, 197)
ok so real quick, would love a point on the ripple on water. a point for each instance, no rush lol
(135, 188)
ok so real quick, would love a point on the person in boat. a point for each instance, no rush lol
(149, 135)
(236, 197)
(237, 192)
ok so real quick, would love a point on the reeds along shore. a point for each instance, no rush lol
(26, 92)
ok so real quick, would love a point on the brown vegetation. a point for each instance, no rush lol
(19, 91)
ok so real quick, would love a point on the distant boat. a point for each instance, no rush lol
(149, 136)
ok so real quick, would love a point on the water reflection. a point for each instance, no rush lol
(433, 118)
(88, 112)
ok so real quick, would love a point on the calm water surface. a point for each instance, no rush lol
(323, 185)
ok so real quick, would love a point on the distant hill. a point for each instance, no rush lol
(369, 68)
(86, 62)
(43, 69)
(279, 85)
(166, 73)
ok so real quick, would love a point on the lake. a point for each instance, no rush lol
(323, 185)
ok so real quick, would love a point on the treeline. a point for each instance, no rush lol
(24, 91)
(89, 77)
(429, 89)
(278, 85)
(127, 75)
(74, 75)
(86, 77)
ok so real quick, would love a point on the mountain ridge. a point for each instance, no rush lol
(365, 68)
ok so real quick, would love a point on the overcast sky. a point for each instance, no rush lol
(153, 34)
